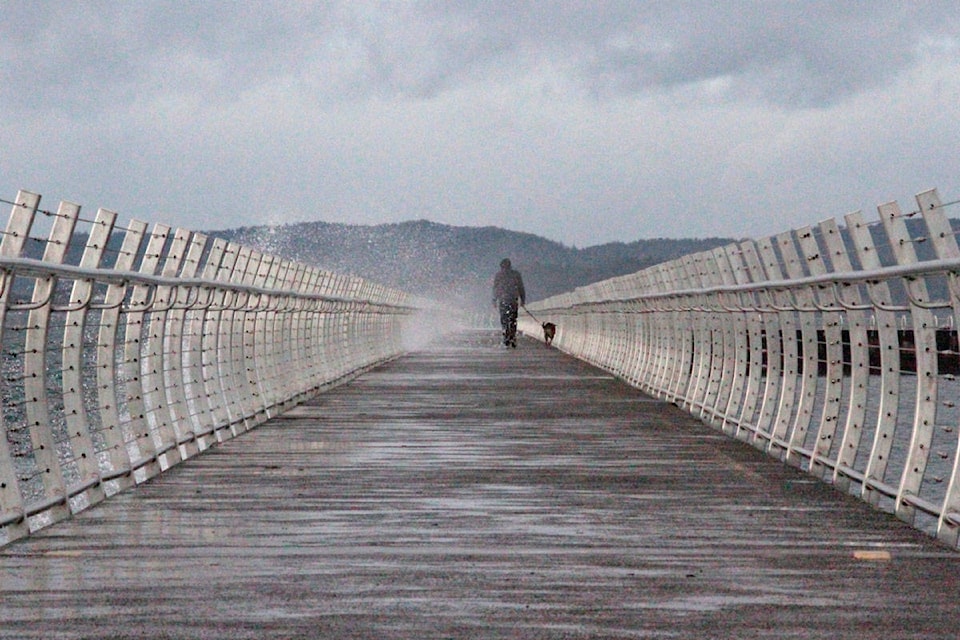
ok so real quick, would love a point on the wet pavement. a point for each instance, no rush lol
(473, 492)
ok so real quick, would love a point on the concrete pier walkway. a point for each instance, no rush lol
(472, 492)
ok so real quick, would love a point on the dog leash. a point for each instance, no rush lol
(531, 315)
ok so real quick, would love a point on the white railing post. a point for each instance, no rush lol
(831, 321)
(925, 356)
(748, 265)
(807, 352)
(945, 243)
(764, 268)
(37, 405)
(723, 364)
(195, 303)
(145, 341)
(169, 328)
(13, 508)
(76, 417)
(851, 297)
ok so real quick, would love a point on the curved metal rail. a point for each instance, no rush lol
(125, 352)
(831, 347)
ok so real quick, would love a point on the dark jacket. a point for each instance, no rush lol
(508, 286)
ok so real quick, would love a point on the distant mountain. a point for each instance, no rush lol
(457, 264)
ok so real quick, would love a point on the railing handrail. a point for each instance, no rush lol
(892, 272)
(36, 267)
(111, 375)
(803, 344)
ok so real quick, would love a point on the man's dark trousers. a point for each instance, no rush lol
(508, 321)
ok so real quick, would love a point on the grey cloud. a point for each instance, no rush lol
(793, 53)
(581, 120)
(790, 53)
(70, 55)
(796, 54)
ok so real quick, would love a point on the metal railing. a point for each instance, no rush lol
(125, 352)
(831, 347)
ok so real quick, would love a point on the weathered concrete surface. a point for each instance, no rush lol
(473, 492)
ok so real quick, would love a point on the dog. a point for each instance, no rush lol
(549, 331)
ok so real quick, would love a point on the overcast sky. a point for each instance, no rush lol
(584, 122)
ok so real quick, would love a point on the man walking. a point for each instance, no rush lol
(507, 290)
